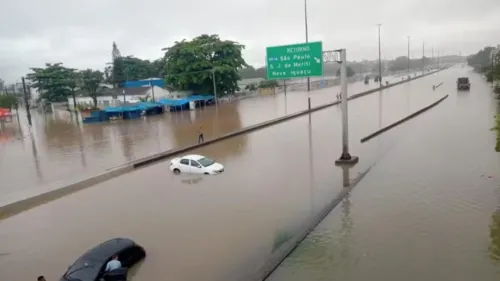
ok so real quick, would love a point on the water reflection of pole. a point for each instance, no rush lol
(346, 227)
(311, 169)
(82, 151)
(379, 59)
(380, 102)
(35, 158)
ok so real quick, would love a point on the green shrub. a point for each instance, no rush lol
(7, 101)
(497, 130)
(268, 84)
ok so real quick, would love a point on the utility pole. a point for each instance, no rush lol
(307, 41)
(438, 62)
(73, 86)
(408, 55)
(379, 58)
(152, 89)
(26, 102)
(215, 88)
(423, 57)
(432, 58)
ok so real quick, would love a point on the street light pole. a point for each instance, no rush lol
(408, 55)
(307, 40)
(215, 88)
(423, 57)
(379, 58)
(438, 62)
(432, 58)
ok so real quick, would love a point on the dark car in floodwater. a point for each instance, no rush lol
(91, 265)
(463, 83)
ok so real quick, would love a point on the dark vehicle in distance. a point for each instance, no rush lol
(367, 79)
(463, 83)
(91, 265)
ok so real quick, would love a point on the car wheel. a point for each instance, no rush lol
(177, 171)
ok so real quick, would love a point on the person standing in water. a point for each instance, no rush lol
(113, 264)
(200, 135)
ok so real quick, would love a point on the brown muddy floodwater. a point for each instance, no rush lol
(58, 150)
(223, 227)
(429, 210)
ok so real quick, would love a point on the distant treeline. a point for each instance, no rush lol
(331, 69)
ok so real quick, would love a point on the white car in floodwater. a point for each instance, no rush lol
(195, 164)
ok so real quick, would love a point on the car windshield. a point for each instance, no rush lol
(463, 80)
(79, 273)
(205, 162)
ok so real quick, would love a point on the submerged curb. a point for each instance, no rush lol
(15, 207)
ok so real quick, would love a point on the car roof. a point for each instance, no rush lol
(89, 264)
(107, 249)
(193, 157)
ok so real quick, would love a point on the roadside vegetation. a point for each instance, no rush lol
(487, 62)
(497, 129)
(8, 101)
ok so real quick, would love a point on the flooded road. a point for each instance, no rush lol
(429, 210)
(57, 148)
(213, 228)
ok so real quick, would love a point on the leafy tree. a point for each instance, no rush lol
(118, 69)
(493, 71)
(8, 100)
(400, 63)
(73, 83)
(251, 72)
(251, 87)
(189, 64)
(54, 82)
(350, 71)
(137, 69)
(108, 74)
(158, 68)
(497, 147)
(481, 58)
(91, 79)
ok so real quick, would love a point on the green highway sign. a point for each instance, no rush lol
(295, 61)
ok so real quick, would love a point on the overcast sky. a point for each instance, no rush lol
(80, 33)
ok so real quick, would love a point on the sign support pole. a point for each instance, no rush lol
(345, 157)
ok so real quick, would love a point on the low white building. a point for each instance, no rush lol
(115, 97)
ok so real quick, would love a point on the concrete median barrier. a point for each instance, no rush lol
(411, 116)
(29, 201)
